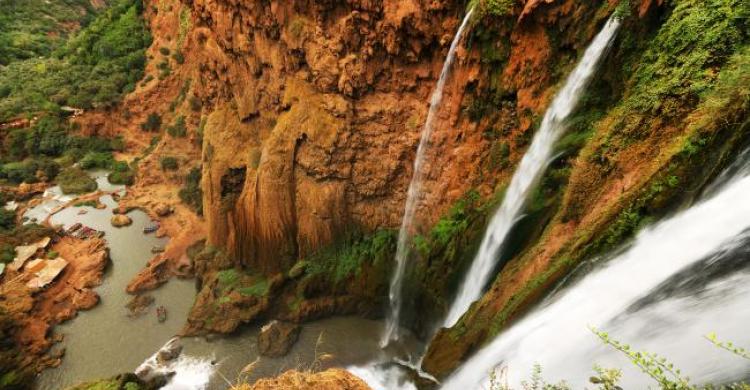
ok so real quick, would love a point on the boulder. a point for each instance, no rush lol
(277, 338)
(163, 210)
(121, 220)
(168, 354)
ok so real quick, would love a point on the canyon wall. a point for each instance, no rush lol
(312, 111)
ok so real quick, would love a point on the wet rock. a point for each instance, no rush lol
(161, 314)
(277, 338)
(139, 305)
(163, 210)
(168, 354)
(120, 220)
(85, 300)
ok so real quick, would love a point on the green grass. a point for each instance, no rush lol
(259, 289)
(345, 260)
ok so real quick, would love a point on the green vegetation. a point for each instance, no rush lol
(447, 248)
(663, 372)
(121, 382)
(677, 67)
(247, 285)
(493, 7)
(35, 28)
(178, 129)
(347, 259)
(191, 194)
(122, 173)
(153, 122)
(7, 219)
(76, 181)
(93, 69)
(259, 289)
(97, 160)
(168, 163)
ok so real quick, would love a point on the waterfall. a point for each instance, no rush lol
(646, 297)
(529, 172)
(391, 332)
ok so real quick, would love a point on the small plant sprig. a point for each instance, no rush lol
(728, 346)
(606, 378)
(662, 371)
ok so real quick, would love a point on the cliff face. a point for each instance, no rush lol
(319, 106)
(314, 111)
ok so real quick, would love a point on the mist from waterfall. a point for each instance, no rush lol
(391, 332)
(679, 281)
(529, 172)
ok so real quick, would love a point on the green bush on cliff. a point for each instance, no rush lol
(679, 64)
(346, 259)
(152, 123)
(192, 194)
(178, 129)
(493, 7)
(169, 163)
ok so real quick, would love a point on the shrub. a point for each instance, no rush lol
(178, 129)
(493, 7)
(164, 51)
(168, 163)
(121, 173)
(195, 103)
(7, 253)
(28, 170)
(76, 181)
(97, 160)
(7, 219)
(191, 194)
(153, 123)
(178, 57)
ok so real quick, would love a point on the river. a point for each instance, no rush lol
(106, 341)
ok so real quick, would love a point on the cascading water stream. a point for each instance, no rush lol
(391, 332)
(529, 172)
(633, 298)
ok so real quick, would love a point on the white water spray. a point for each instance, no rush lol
(402, 251)
(182, 372)
(529, 172)
(557, 335)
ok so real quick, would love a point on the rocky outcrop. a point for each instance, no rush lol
(276, 338)
(334, 379)
(35, 313)
(121, 220)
